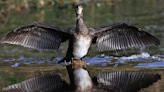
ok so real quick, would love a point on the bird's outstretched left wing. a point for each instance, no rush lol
(43, 83)
(122, 36)
(37, 36)
(124, 81)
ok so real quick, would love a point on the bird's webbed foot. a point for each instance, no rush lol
(77, 63)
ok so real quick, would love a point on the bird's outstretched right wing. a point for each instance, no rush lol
(124, 81)
(37, 36)
(123, 36)
(43, 83)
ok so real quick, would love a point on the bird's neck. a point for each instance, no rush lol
(80, 25)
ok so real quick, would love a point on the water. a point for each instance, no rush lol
(151, 65)
(142, 60)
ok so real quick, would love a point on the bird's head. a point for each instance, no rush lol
(79, 10)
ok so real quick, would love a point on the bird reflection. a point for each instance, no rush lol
(119, 81)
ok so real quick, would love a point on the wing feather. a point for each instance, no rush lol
(37, 36)
(124, 81)
(123, 36)
(43, 83)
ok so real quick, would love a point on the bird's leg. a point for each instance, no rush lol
(77, 63)
(82, 60)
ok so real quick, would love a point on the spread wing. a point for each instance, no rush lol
(123, 36)
(37, 36)
(124, 81)
(43, 83)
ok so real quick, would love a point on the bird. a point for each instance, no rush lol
(113, 37)
(117, 81)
